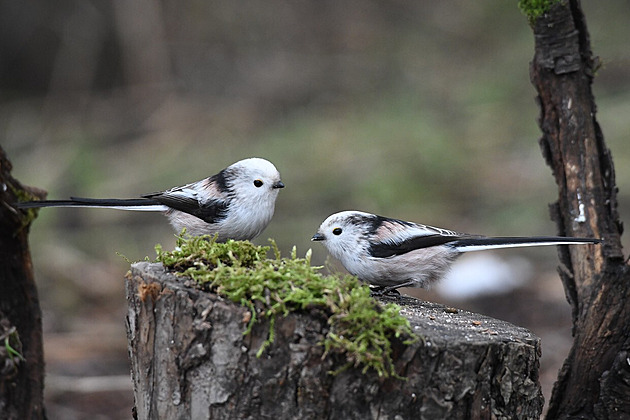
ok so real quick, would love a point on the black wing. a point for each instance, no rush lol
(389, 249)
(396, 237)
(187, 198)
(212, 211)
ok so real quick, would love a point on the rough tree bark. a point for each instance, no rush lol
(190, 359)
(21, 380)
(595, 379)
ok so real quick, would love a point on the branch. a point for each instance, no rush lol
(595, 278)
(21, 386)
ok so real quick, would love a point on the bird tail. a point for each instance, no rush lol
(138, 204)
(478, 244)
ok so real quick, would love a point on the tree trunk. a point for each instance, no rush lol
(595, 379)
(21, 354)
(190, 359)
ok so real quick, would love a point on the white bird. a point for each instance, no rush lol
(391, 253)
(236, 203)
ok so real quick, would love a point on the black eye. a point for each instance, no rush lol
(258, 183)
(337, 231)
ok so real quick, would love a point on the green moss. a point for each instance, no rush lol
(533, 9)
(360, 327)
(23, 195)
(11, 351)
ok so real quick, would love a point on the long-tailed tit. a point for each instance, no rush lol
(237, 203)
(391, 253)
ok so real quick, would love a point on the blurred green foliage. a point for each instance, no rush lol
(417, 110)
(421, 110)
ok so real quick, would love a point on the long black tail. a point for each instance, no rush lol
(140, 204)
(477, 244)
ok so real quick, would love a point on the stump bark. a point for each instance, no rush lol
(191, 360)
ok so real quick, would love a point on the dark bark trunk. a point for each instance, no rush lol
(21, 377)
(190, 359)
(594, 381)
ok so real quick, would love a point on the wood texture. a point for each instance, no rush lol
(21, 381)
(190, 359)
(594, 380)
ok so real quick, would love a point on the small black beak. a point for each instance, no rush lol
(278, 184)
(318, 237)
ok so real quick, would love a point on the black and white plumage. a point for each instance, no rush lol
(391, 253)
(236, 203)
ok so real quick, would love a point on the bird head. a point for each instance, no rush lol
(255, 180)
(345, 233)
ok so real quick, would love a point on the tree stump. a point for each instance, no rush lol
(191, 360)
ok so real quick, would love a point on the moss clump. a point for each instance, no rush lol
(23, 195)
(533, 9)
(360, 327)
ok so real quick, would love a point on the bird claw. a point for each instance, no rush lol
(377, 291)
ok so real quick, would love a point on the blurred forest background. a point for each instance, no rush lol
(420, 110)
